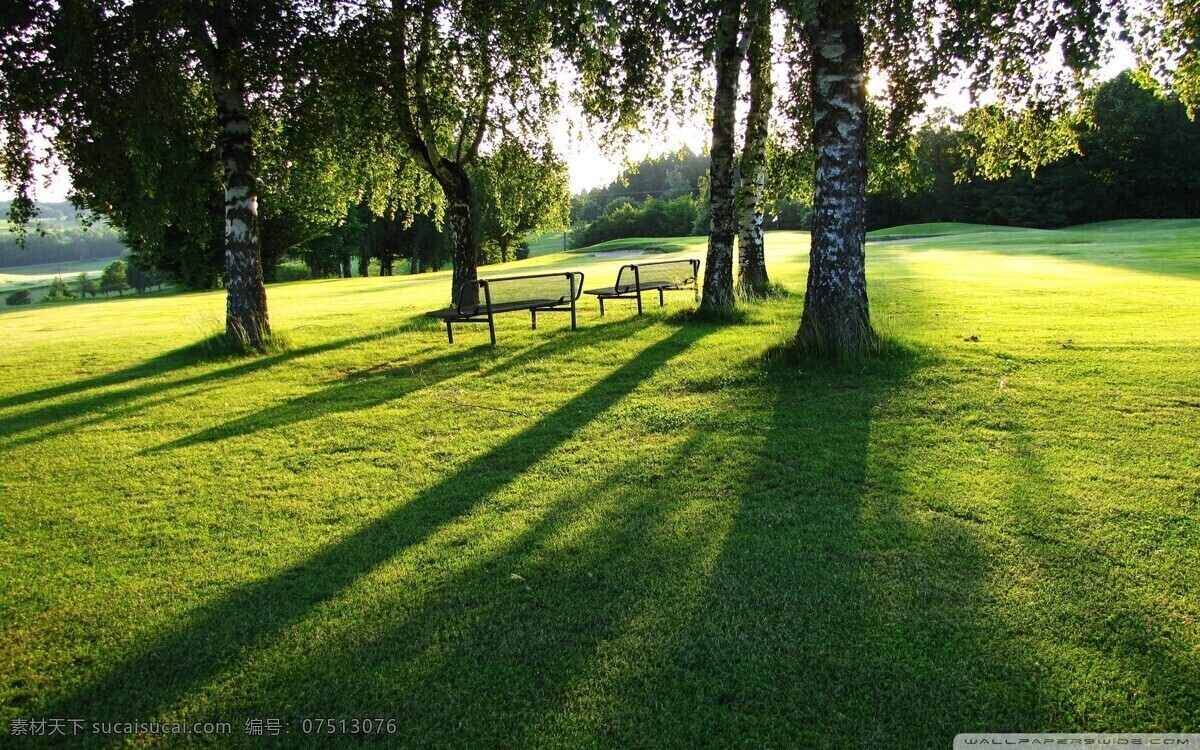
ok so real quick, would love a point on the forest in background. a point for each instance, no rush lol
(1132, 153)
(59, 235)
(1129, 153)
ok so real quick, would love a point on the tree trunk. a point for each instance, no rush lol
(246, 299)
(752, 262)
(346, 270)
(718, 268)
(456, 185)
(836, 316)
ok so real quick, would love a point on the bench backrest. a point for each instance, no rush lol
(674, 272)
(547, 288)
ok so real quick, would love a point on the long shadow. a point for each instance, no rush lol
(1118, 624)
(380, 384)
(75, 412)
(220, 634)
(467, 659)
(830, 618)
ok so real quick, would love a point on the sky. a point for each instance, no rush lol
(591, 166)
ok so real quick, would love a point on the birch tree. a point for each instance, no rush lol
(172, 81)
(453, 73)
(1001, 45)
(729, 52)
(753, 280)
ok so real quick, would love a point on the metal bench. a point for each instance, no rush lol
(480, 300)
(659, 275)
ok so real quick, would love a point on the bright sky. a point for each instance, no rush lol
(590, 166)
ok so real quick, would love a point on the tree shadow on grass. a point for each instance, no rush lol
(757, 586)
(1115, 621)
(97, 399)
(368, 387)
(218, 635)
(468, 657)
(379, 384)
(831, 618)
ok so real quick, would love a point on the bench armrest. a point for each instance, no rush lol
(470, 290)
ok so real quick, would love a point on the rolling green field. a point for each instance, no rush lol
(649, 532)
(37, 278)
(545, 244)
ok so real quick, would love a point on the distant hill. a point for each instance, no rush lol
(57, 235)
(61, 214)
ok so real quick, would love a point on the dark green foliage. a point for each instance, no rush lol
(653, 218)
(114, 278)
(60, 291)
(292, 270)
(390, 239)
(329, 256)
(19, 297)
(1138, 157)
(143, 279)
(86, 286)
(666, 177)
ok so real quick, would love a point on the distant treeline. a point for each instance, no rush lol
(1138, 158)
(1136, 155)
(58, 235)
(661, 196)
(665, 178)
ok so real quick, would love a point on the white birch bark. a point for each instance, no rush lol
(717, 295)
(836, 316)
(752, 265)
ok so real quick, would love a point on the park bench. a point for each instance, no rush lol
(479, 301)
(659, 275)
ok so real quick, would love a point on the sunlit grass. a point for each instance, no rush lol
(647, 532)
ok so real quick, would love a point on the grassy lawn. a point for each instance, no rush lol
(645, 533)
(545, 244)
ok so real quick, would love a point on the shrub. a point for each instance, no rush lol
(653, 218)
(19, 297)
(114, 278)
(59, 291)
(293, 270)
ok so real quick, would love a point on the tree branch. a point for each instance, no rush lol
(423, 152)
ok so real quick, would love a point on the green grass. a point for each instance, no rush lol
(647, 532)
(545, 244)
(654, 244)
(935, 229)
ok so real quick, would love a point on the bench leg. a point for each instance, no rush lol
(449, 332)
(661, 302)
(533, 316)
(639, 299)
(492, 328)
(572, 315)
(602, 307)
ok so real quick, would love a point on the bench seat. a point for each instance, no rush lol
(656, 276)
(479, 301)
(452, 313)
